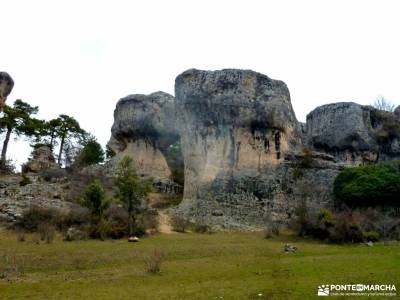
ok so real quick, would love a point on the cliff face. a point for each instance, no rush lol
(6, 86)
(236, 127)
(144, 127)
(247, 160)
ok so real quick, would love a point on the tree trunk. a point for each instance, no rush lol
(131, 219)
(61, 150)
(131, 225)
(52, 140)
(5, 146)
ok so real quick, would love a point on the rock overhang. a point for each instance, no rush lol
(240, 97)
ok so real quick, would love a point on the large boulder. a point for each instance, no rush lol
(144, 127)
(42, 159)
(6, 86)
(353, 133)
(235, 125)
(340, 126)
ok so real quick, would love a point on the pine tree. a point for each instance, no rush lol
(130, 190)
(17, 119)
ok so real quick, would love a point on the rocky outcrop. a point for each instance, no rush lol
(353, 133)
(397, 113)
(247, 160)
(6, 86)
(15, 199)
(236, 128)
(144, 127)
(42, 159)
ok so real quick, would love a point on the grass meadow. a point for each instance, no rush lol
(193, 266)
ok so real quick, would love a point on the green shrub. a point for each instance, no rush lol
(201, 228)
(110, 153)
(370, 236)
(94, 198)
(76, 217)
(350, 226)
(366, 186)
(174, 157)
(7, 167)
(115, 224)
(298, 172)
(50, 175)
(345, 228)
(25, 180)
(306, 159)
(321, 226)
(179, 224)
(91, 154)
(147, 220)
(386, 126)
(40, 219)
(35, 216)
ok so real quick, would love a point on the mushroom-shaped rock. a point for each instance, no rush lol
(234, 124)
(144, 127)
(6, 86)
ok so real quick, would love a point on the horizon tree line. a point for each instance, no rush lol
(75, 144)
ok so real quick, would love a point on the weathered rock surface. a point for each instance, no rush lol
(144, 126)
(353, 133)
(14, 199)
(42, 159)
(248, 161)
(397, 113)
(236, 128)
(6, 86)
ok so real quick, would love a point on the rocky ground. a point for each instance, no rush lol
(14, 198)
(57, 194)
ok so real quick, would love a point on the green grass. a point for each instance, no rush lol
(227, 265)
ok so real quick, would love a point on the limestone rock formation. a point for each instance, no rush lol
(236, 126)
(397, 113)
(341, 128)
(353, 133)
(144, 127)
(6, 86)
(247, 160)
(42, 159)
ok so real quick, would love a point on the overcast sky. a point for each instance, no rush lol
(80, 57)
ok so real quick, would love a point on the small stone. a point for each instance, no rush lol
(133, 239)
(217, 213)
(74, 234)
(289, 248)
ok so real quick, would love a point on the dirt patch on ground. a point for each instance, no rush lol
(156, 201)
